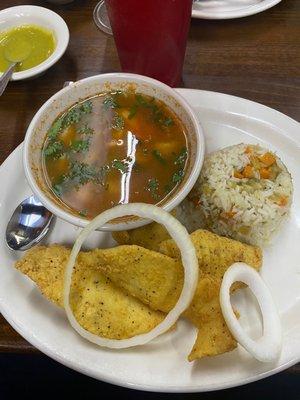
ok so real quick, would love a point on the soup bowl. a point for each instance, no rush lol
(78, 91)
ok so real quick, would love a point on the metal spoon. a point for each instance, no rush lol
(28, 225)
(14, 59)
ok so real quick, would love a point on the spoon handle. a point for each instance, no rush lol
(5, 78)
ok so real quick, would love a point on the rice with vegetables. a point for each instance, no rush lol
(244, 192)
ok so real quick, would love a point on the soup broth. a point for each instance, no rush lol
(115, 148)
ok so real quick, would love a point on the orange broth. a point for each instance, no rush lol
(114, 148)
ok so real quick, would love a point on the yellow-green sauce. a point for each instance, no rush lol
(29, 45)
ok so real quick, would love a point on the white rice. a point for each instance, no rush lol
(254, 214)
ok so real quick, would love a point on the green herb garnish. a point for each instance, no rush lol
(153, 188)
(86, 130)
(57, 189)
(83, 213)
(178, 176)
(73, 116)
(79, 146)
(132, 111)
(86, 107)
(55, 128)
(120, 166)
(157, 154)
(181, 158)
(118, 123)
(82, 172)
(168, 122)
(110, 102)
(54, 149)
(157, 114)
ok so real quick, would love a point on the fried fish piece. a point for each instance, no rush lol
(216, 253)
(157, 281)
(98, 304)
(205, 313)
(152, 277)
(149, 236)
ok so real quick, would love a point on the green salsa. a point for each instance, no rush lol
(29, 45)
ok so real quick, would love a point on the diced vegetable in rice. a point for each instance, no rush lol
(244, 192)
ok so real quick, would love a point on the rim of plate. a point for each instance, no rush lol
(231, 14)
(33, 339)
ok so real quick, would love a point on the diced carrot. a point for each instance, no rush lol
(282, 201)
(248, 150)
(227, 214)
(264, 173)
(238, 175)
(268, 159)
(248, 171)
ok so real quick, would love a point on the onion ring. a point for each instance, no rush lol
(268, 347)
(189, 261)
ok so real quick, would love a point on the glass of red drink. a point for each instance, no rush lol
(151, 36)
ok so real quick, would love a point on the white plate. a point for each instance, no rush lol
(161, 365)
(226, 9)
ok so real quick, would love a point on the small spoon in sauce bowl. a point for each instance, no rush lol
(28, 225)
(14, 58)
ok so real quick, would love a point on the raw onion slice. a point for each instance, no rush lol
(268, 347)
(189, 261)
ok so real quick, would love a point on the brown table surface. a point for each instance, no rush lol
(257, 58)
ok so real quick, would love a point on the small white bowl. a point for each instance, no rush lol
(20, 15)
(67, 97)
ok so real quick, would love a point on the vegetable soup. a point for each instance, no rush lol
(115, 148)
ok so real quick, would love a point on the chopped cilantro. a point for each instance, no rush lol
(54, 149)
(86, 130)
(181, 158)
(55, 128)
(57, 189)
(82, 172)
(72, 116)
(86, 107)
(132, 111)
(120, 165)
(157, 154)
(83, 213)
(118, 122)
(153, 188)
(178, 176)
(168, 122)
(79, 146)
(110, 102)
(157, 114)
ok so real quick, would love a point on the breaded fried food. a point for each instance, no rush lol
(98, 304)
(152, 277)
(216, 253)
(157, 280)
(149, 236)
(205, 313)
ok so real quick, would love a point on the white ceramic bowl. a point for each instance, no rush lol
(65, 98)
(20, 15)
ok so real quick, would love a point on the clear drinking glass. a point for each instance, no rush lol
(150, 35)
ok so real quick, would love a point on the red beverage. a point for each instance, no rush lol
(151, 36)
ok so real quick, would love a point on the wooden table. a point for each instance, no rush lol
(256, 57)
